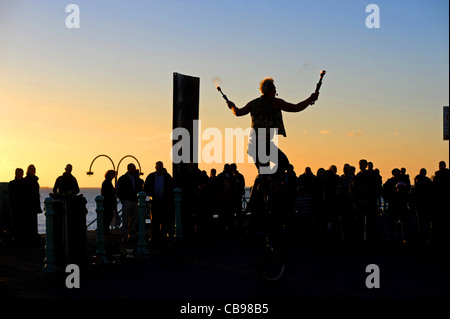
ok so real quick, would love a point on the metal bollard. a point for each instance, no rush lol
(49, 241)
(142, 243)
(101, 250)
(178, 226)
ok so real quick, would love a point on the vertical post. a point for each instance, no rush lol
(101, 250)
(142, 243)
(365, 228)
(178, 226)
(49, 239)
(186, 93)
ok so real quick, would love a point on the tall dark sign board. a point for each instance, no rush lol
(186, 92)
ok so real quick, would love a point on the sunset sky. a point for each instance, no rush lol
(68, 95)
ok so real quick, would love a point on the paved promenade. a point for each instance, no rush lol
(219, 270)
(217, 267)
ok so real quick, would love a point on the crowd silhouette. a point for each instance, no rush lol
(24, 202)
(20, 223)
(325, 207)
(322, 207)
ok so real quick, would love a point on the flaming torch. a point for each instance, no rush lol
(217, 82)
(319, 84)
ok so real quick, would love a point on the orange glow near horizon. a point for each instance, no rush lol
(69, 95)
(50, 139)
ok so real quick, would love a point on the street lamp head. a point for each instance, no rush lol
(139, 172)
(90, 173)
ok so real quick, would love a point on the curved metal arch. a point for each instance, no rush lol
(90, 167)
(90, 172)
(140, 169)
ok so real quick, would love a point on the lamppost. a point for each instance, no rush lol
(90, 172)
(140, 170)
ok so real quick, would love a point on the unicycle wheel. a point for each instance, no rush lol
(271, 264)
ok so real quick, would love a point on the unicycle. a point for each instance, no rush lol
(399, 234)
(271, 262)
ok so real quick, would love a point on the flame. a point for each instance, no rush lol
(217, 81)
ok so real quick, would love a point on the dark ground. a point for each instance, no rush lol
(218, 270)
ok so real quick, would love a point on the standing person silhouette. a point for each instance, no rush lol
(159, 186)
(108, 191)
(32, 203)
(128, 186)
(16, 189)
(66, 184)
(441, 183)
(266, 113)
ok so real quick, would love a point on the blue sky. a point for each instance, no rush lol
(382, 96)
